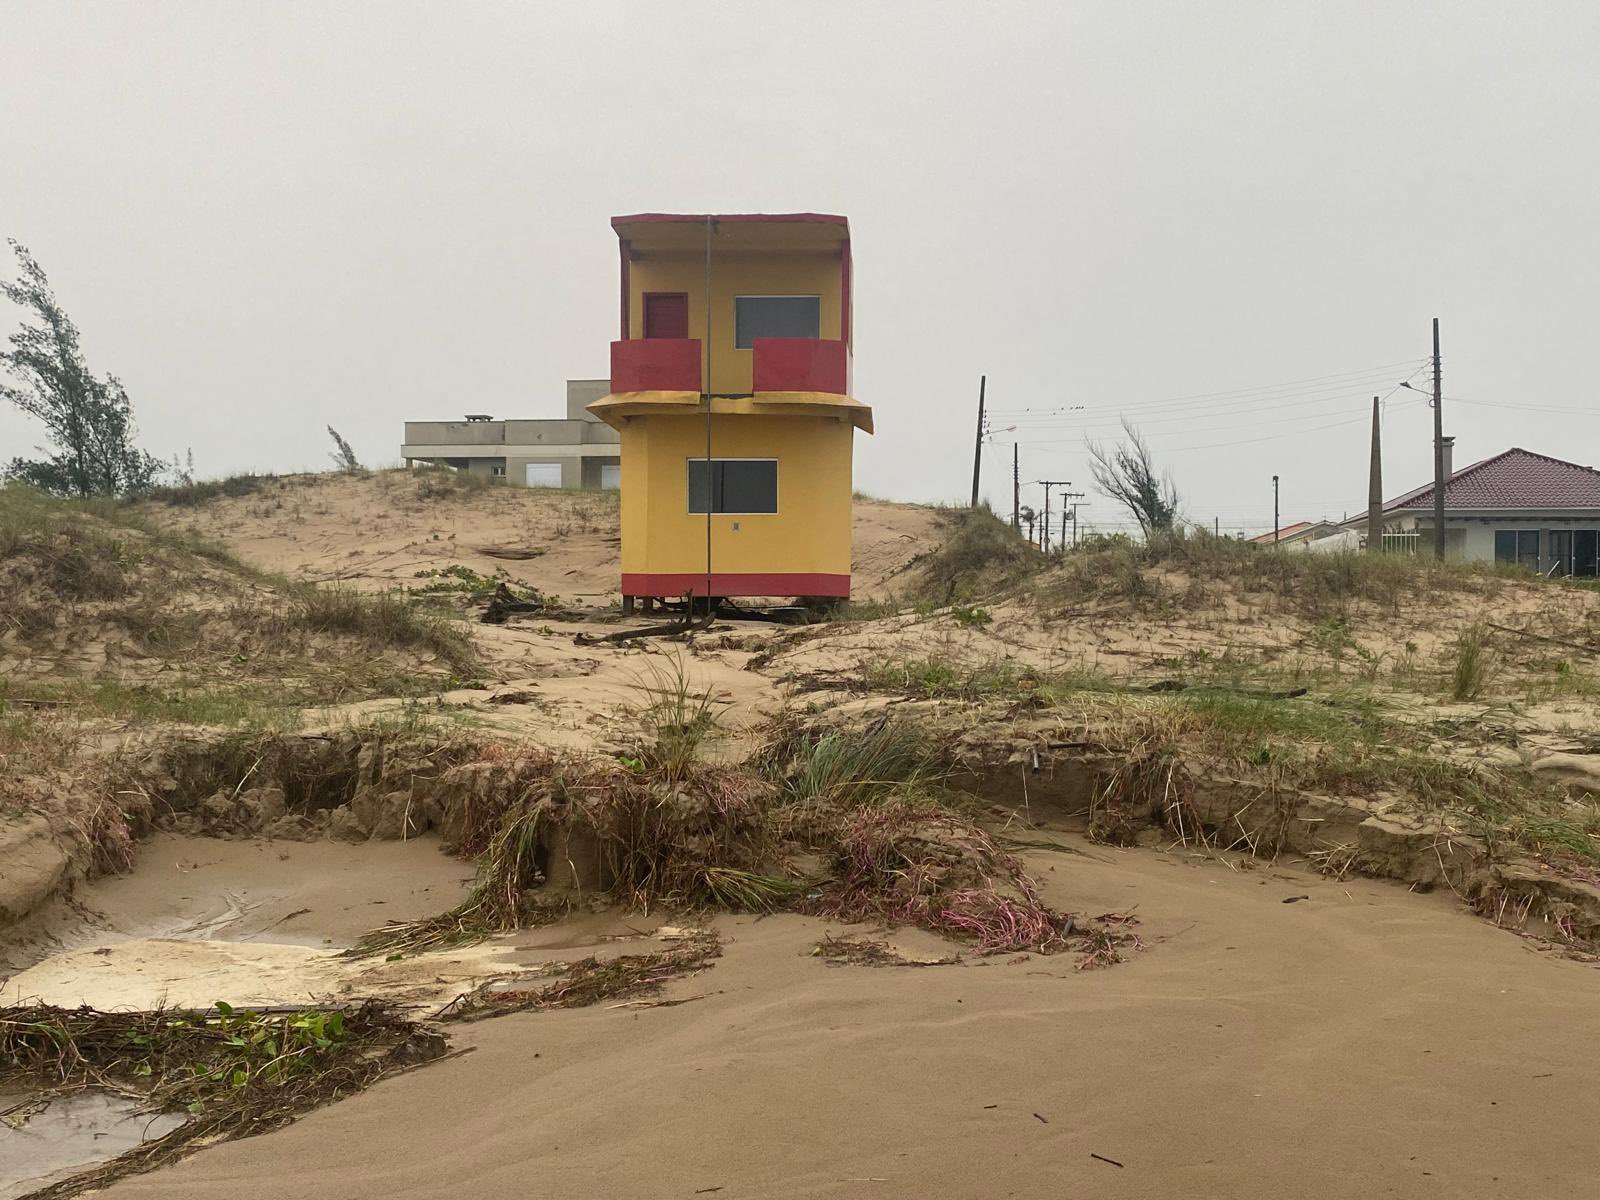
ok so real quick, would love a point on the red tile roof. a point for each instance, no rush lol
(1283, 532)
(1515, 479)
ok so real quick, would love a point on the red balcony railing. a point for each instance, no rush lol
(801, 365)
(656, 365)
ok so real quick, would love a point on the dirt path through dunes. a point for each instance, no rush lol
(1360, 1042)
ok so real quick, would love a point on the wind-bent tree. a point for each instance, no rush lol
(88, 421)
(1126, 473)
(343, 456)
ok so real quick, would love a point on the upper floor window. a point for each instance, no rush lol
(775, 316)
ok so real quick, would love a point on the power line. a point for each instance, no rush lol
(1336, 381)
(1185, 411)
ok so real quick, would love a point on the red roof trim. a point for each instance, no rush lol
(817, 218)
(809, 218)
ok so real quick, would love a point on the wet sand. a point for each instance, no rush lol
(320, 894)
(1363, 1042)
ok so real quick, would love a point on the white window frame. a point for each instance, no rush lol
(817, 296)
(777, 488)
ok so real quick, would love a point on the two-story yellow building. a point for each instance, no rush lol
(730, 391)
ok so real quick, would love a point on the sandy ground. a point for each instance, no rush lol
(380, 530)
(1362, 1042)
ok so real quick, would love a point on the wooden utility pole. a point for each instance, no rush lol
(977, 448)
(1016, 488)
(1375, 487)
(1045, 525)
(1438, 449)
(1274, 510)
(1073, 514)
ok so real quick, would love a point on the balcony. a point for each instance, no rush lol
(656, 365)
(801, 365)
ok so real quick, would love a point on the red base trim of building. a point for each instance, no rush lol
(667, 585)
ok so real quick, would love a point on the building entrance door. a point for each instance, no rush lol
(543, 475)
(610, 475)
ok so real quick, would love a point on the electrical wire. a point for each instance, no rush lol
(1345, 381)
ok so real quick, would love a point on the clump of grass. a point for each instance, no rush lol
(47, 544)
(236, 1072)
(252, 707)
(197, 492)
(381, 619)
(697, 837)
(921, 864)
(748, 891)
(865, 610)
(700, 837)
(1337, 745)
(1105, 567)
(942, 677)
(678, 716)
(1474, 665)
(850, 766)
(979, 552)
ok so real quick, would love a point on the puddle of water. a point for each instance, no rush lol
(72, 1134)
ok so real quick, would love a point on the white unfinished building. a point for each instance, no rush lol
(575, 451)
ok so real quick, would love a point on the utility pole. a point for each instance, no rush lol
(1045, 527)
(1375, 487)
(1438, 449)
(1274, 510)
(1072, 515)
(977, 449)
(1016, 488)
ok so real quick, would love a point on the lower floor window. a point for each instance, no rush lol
(1517, 546)
(733, 485)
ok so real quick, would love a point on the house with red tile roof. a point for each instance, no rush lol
(1299, 535)
(1518, 507)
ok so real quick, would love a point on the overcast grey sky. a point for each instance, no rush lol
(266, 217)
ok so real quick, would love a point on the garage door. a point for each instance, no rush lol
(544, 475)
(610, 475)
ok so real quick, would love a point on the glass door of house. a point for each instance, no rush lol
(1575, 552)
(1586, 553)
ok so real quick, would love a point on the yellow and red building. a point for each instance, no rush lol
(735, 331)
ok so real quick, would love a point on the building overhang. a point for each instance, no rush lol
(618, 407)
(646, 233)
